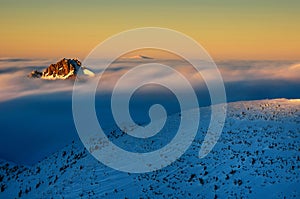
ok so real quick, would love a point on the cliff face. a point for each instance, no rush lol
(64, 69)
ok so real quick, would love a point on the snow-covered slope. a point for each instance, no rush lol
(257, 155)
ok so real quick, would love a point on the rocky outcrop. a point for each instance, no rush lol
(64, 69)
(35, 74)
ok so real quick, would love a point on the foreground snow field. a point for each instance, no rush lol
(257, 155)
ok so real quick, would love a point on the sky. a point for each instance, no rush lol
(247, 30)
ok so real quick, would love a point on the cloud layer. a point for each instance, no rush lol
(36, 115)
(14, 82)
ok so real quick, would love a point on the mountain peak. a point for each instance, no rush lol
(63, 69)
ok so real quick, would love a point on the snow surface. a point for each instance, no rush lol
(256, 156)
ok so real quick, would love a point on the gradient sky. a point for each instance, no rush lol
(231, 29)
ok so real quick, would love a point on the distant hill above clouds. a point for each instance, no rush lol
(63, 69)
(138, 57)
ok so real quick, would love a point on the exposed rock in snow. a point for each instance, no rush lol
(257, 156)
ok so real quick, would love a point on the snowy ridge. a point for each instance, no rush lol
(256, 156)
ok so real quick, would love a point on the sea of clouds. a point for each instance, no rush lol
(36, 115)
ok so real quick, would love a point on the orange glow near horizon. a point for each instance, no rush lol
(231, 30)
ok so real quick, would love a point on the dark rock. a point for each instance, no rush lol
(35, 74)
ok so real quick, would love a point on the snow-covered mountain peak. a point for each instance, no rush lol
(63, 69)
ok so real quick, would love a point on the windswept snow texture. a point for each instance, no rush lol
(256, 156)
